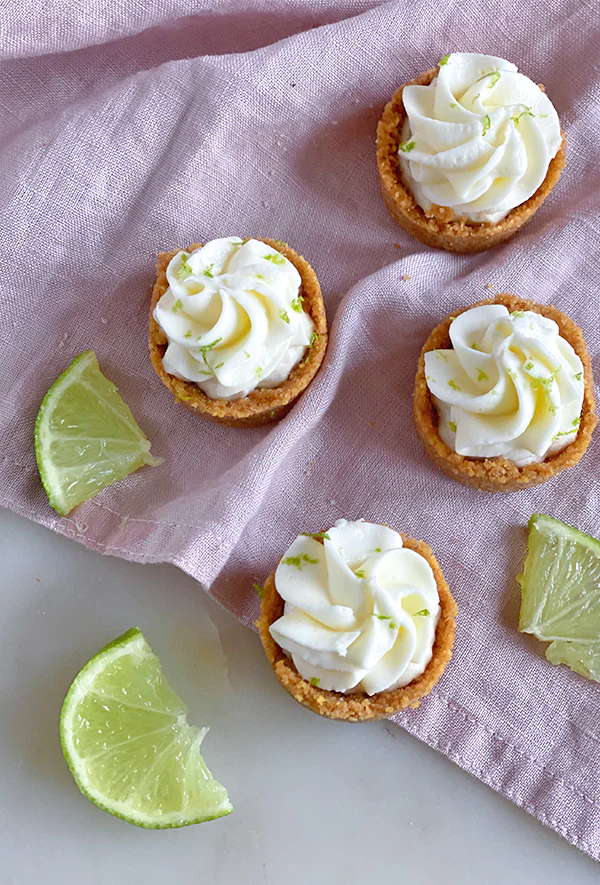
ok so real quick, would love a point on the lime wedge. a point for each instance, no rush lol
(126, 739)
(560, 594)
(85, 436)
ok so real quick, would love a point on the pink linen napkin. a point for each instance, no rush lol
(133, 127)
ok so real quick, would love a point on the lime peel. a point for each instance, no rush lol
(560, 588)
(85, 436)
(125, 737)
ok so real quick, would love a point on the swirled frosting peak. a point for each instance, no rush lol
(479, 139)
(233, 317)
(360, 609)
(511, 385)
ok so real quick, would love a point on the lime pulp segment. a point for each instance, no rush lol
(560, 587)
(85, 436)
(126, 739)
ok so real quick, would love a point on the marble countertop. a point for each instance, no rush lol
(314, 801)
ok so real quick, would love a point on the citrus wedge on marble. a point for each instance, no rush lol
(560, 594)
(126, 738)
(85, 436)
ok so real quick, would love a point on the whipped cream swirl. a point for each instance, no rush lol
(233, 317)
(360, 610)
(511, 386)
(479, 139)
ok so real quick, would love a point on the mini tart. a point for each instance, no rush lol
(260, 406)
(359, 706)
(500, 474)
(442, 229)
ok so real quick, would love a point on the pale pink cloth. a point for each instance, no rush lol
(123, 133)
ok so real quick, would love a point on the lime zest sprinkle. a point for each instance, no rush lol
(518, 313)
(578, 376)
(406, 146)
(281, 242)
(393, 625)
(206, 347)
(529, 365)
(297, 561)
(444, 59)
(260, 591)
(526, 113)
(424, 613)
(474, 346)
(378, 550)
(313, 338)
(453, 385)
(475, 97)
(482, 375)
(562, 433)
(317, 536)
(453, 104)
(219, 366)
(259, 372)
(297, 304)
(272, 413)
(360, 573)
(576, 422)
(208, 272)
(544, 116)
(185, 269)
(494, 75)
(284, 315)
(314, 680)
(177, 306)
(188, 334)
(486, 124)
(276, 258)
(247, 354)
(383, 617)
(452, 426)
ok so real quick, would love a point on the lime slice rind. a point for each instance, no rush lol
(153, 777)
(560, 588)
(86, 437)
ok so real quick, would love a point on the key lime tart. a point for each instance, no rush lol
(237, 328)
(504, 394)
(468, 152)
(358, 621)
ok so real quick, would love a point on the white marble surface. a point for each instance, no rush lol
(314, 801)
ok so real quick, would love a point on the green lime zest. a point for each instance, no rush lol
(188, 334)
(453, 385)
(208, 271)
(444, 59)
(578, 376)
(360, 573)
(406, 146)
(378, 550)
(383, 617)
(393, 625)
(529, 366)
(576, 422)
(276, 258)
(317, 536)
(481, 375)
(297, 561)
(314, 680)
(297, 304)
(177, 306)
(494, 77)
(260, 591)
(424, 613)
(185, 269)
(453, 104)
(284, 315)
(486, 124)
(452, 426)
(526, 113)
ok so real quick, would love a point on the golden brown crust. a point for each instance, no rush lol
(261, 406)
(500, 474)
(441, 229)
(358, 706)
